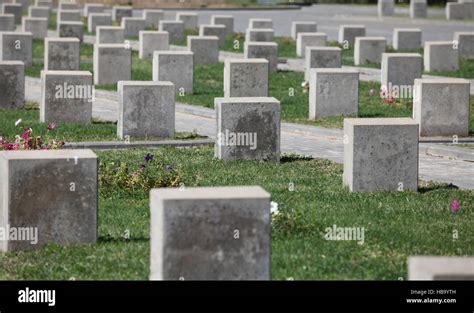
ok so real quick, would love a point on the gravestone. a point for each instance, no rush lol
(263, 50)
(441, 268)
(66, 97)
(465, 42)
(204, 48)
(322, 57)
(90, 8)
(7, 23)
(193, 233)
(348, 33)
(37, 26)
(455, 11)
(110, 34)
(133, 26)
(16, 46)
(386, 7)
(406, 39)
(44, 3)
(68, 5)
(174, 28)
(15, 9)
(333, 92)
(468, 7)
(380, 154)
(259, 34)
(260, 23)
(441, 56)
(400, 70)
(69, 16)
(441, 106)
(368, 50)
(213, 30)
(12, 84)
(151, 41)
(118, 12)
(190, 20)
(98, 19)
(226, 20)
(302, 27)
(153, 17)
(246, 78)
(146, 109)
(248, 128)
(40, 12)
(71, 29)
(176, 67)
(309, 40)
(62, 54)
(62, 211)
(418, 9)
(106, 59)
(25, 4)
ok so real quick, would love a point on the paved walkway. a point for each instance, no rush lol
(306, 140)
(330, 16)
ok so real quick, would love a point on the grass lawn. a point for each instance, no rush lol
(396, 224)
(97, 131)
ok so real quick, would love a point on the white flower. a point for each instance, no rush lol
(273, 207)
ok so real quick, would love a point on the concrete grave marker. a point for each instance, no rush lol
(66, 97)
(176, 67)
(193, 233)
(246, 78)
(12, 84)
(51, 212)
(146, 109)
(380, 154)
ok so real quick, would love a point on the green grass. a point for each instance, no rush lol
(69, 132)
(462, 145)
(53, 21)
(396, 224)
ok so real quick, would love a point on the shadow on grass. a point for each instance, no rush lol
(108, 239)
(288, 158)
(435, 186)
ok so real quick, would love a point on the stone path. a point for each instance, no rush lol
(306, 140)
(330, 16)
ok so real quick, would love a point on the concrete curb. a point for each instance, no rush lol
(112, 145)
(448, 152)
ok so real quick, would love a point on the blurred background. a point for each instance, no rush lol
(240, 3)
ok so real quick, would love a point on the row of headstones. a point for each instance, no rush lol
(199, 233)
(438, 55)
(177, 67)
(334, 92)
(462, 9)
(418, 8)
(440, 107)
